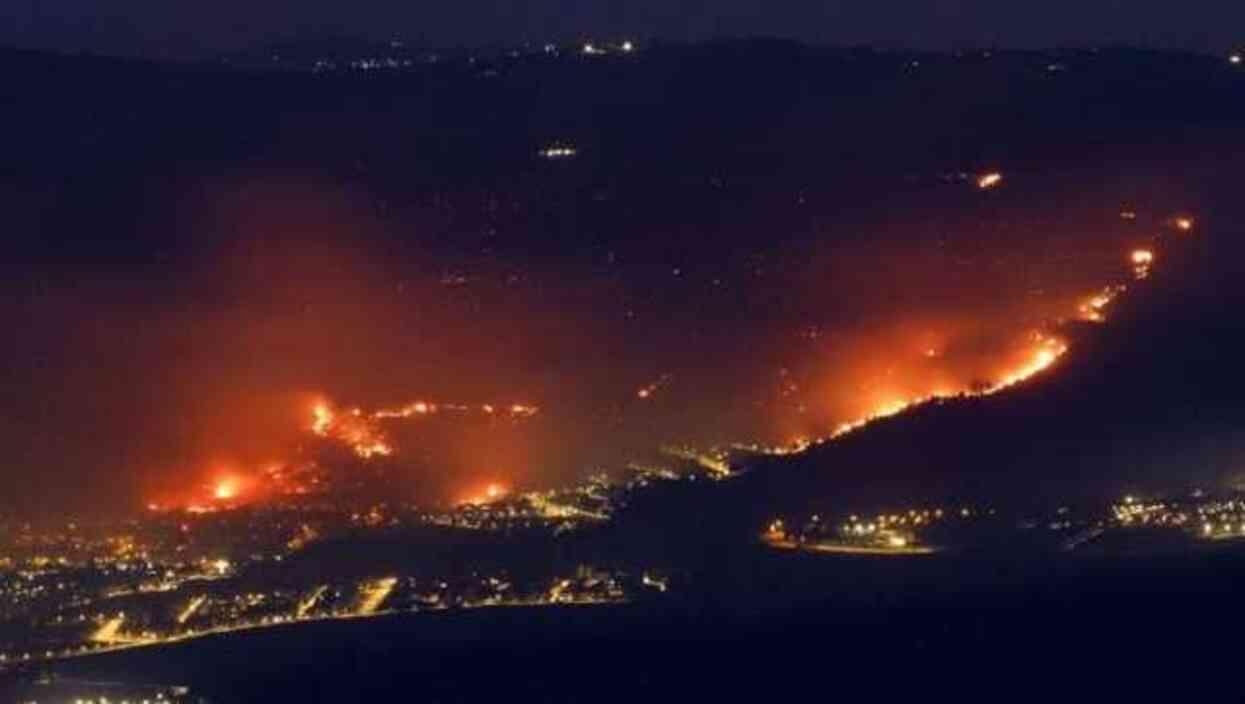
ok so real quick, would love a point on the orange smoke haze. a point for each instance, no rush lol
(310, 337)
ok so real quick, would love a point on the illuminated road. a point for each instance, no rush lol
(374, 594)
(190, 609)
(108, 632)
(121, 642)
(843, 549)
(307, 604)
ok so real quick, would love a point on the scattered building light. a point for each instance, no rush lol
(559, 151)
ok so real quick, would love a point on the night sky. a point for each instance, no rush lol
(152, 28)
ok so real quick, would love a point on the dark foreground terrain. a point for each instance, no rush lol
(791, 626)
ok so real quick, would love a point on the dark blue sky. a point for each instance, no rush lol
(189, 27)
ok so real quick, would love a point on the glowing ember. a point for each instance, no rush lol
(1093, 308)
(322, 419)
(1183, 224)
(372, 449)
(225, 489)
(492, 492)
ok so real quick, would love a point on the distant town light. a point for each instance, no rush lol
(558, 151)
(628, 46)
(1235, 59)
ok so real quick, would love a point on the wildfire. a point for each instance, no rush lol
(375, 448)
(361, 431)
(321, 419)
(1046, 350)
(1093, 309)
(492, 493)
(225, 490)
(418, 408)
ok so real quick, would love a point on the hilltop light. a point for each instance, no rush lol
(1141, 259)
(1235, 59)
(989, 180)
